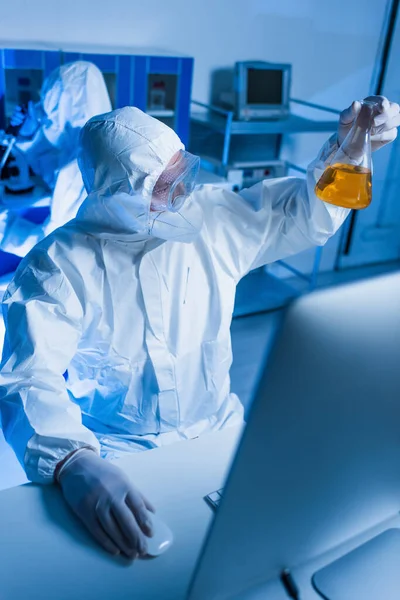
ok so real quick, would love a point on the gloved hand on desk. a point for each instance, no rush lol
(107, 503)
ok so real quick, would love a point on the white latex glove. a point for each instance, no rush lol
(385, 126)
(29, 120)
(18, 116)
(107, 503)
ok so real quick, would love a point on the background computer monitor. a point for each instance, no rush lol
(262, 90)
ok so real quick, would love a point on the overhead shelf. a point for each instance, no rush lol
(159, 114)
(292, 124)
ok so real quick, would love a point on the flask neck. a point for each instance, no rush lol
(357, 145)
(365, 117)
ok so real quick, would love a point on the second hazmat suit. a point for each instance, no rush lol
(136, 304)
(70, 96)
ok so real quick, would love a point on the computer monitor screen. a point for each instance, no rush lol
(264, 86)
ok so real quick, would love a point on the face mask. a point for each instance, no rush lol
(182, 226)
(175, 183)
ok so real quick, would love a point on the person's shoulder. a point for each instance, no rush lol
(65, 250)
(68, 241)
(60, 263)
(71, 234)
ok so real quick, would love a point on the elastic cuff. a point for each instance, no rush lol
(67, 460)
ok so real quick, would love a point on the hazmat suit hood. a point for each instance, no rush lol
(70, 96)
(121, 156)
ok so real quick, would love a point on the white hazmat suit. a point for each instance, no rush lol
(137, 305)
(70, 96)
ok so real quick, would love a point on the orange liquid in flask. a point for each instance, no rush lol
(344, 185)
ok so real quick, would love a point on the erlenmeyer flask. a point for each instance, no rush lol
(347, 181)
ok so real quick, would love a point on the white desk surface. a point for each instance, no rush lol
(46, 554)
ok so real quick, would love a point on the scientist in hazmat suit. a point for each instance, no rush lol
(70, 96)
(134, 298)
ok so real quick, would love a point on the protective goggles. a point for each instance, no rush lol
(176, 183)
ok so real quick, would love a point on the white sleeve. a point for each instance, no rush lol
(43, 318)
(272, 220)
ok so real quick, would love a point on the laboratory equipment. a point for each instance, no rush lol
(207, 178)
(158, 96)
(14, 169)
(23, 86)
(10, 139)
(243, 175)
(346, 185)
(347, 180)
(16, 175)
(22, 73)
(260, 90)
(131, 75)
(318, 463)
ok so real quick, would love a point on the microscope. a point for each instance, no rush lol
(16, 177)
